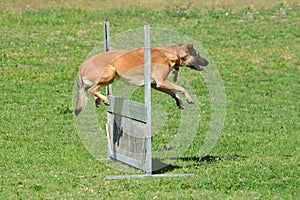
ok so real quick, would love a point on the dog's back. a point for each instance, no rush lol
(135, 58)
(130, 66)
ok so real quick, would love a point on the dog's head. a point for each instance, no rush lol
(191, 58)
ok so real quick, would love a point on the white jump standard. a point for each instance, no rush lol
(128, 123)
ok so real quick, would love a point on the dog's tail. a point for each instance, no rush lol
(81, 98)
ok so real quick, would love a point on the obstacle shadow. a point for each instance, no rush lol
(212, 159)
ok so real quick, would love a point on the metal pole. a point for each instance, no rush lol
(108, 87)
(106, 49)
(147, 55)
(106, 36)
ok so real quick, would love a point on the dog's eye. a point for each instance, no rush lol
(193, 52)
(185, 57)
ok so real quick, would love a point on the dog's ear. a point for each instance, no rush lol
(189, 46)
(182, 50)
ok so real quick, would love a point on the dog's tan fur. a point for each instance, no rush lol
(128, 66)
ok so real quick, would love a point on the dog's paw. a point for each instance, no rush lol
(97, 102)
(106, 102)
(181, 107)
(190, 100)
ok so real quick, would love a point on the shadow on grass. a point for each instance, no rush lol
(212, 159)
(160, 167)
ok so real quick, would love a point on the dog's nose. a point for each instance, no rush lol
(205, 62)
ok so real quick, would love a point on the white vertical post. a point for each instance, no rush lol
(108, 87)
(106, 49)
(147, 55)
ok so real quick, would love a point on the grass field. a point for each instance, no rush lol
(17, 5)
(256, 50)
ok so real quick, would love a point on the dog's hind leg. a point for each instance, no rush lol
(97, 102)
(98, 97)
(171, 93)
(106, 77)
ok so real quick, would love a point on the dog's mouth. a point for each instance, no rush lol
(196, 67)
(199, 67)
(196, 63)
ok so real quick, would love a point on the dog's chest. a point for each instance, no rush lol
(136, 80)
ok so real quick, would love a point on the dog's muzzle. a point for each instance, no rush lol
(200, 64)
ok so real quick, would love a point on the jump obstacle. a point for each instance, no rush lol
(128, 124)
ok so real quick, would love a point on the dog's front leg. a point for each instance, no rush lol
(171, 93)
(170, 86)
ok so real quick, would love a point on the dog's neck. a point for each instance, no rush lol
(172, 53)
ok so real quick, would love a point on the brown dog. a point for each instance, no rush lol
(128, 66)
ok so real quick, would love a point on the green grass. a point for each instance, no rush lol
(256, 52)
(17, 5)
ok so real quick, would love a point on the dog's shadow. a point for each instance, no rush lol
(160, 167)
